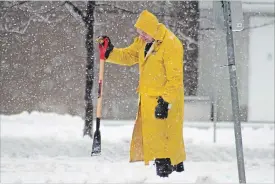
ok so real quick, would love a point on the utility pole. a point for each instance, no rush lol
(234, 90)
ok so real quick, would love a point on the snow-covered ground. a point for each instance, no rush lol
(49, 148)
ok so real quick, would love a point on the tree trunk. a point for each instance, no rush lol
(89, 69)
(188, 13)
(191, 54)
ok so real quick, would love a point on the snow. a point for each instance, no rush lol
(49, 148)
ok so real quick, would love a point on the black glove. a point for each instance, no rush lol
(161, 111)
(109, 48)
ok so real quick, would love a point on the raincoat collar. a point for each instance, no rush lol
(160, 33)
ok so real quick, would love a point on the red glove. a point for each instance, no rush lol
(105, 47)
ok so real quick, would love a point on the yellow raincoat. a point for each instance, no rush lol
(160, 74)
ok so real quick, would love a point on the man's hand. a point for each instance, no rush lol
(105, 47)
(161, 111)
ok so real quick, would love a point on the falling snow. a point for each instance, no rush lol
(43, 62)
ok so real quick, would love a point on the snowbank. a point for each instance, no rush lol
(49, 148)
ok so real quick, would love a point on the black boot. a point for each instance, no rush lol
(179, 167)
(163, 167)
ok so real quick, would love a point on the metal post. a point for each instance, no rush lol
(234, 90)
(215, 116)
(215, 92)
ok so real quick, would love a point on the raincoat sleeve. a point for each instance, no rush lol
(173, 62)
(125, 56)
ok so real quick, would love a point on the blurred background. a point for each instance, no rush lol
(43, 58)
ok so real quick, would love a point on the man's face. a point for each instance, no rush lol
(145, 36)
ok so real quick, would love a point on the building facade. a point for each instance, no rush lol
(254, 52)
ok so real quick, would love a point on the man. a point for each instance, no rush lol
(158, 131)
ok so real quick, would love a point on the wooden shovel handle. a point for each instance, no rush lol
(100, 89)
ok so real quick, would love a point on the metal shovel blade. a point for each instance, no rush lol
(96, 149)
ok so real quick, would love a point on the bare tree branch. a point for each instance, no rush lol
(17, 4)
(6, 8)
(22, 6)
(18, 30)
(116, 7)
(134, 12)
(78, 11)
(33, 16)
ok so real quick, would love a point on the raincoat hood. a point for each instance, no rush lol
(148, 23)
